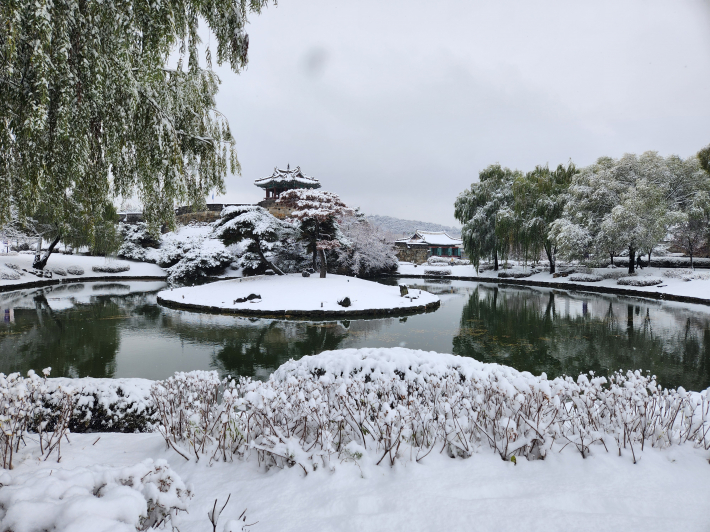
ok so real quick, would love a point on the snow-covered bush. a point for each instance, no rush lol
(8, 274)
(23, 408)
(639, 281)
(140, 497)
(136, 242)
(404, 404)
(111, 268)
(437, 271)
(200, 258)
(585, 278)
(515, 274)
(75, 270)
(617, 273)
(453, 261)
(686, 275)
(58, 271)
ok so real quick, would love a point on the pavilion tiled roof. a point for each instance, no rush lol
(432, 238)
(287, 179)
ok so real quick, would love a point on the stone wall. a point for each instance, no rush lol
(416, 253)
(277, 210)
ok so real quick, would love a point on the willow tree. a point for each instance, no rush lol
(480, 208)
(539, 200)
(90, 109)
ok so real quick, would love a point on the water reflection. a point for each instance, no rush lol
(118, 330)
(570, 333)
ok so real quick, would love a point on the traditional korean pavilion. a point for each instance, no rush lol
(283, 180)
(424, 244)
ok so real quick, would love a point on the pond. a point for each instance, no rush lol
(118, 330)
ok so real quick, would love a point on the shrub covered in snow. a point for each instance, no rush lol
(515, 274)
(58, 271)
(136, 242)
(24, 408)
(9, 274)
(432, 261)
(200, 259)
(111, 268)
(140, 497)
(617, 273)
(686, 274)
(437, 271)
(639, 281)
(404, 404)
(585, 278)
(75, 270)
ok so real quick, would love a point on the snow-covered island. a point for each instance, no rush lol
(296, 295)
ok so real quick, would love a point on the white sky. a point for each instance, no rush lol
(398, 105)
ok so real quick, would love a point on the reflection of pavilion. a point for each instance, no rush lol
(281, 181)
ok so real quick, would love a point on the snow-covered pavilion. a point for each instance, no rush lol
(424, 244)
(283, 180)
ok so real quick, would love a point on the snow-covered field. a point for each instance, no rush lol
(65, 262)
(103, 480)
(698, 287)
(297, 293)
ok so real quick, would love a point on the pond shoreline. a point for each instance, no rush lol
(568, 286)
(54, 282)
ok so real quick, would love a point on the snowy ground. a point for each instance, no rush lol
(58, 260)
(697, 288)
(297, 293)
(667, 489)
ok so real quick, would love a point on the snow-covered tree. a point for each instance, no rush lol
(481, 207)
(90, 109)
(368, 251)
(317, 213)
(693, 231)
(539, 200)
(253, 224)
(628, 202)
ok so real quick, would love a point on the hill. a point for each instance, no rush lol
(400, 228)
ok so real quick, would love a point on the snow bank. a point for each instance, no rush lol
(93, 499)
(295, 293)
(73, 267)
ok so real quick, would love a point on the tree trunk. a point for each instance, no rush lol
(271, 265)
(611, 256)
(649, 258)
(40, 263)
(632, 259)
(316, 234)
(550, 258)
(690, 252)
(495, 260)
(323, 264)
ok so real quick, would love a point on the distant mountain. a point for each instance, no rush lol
(400, 228)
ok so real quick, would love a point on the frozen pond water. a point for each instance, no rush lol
(118, 330)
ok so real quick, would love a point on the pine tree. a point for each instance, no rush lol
(317, 213)
(253, 223)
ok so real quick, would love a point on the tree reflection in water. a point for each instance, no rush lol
(117, 329)
(570, 333)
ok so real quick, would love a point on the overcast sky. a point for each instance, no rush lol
(397, 105)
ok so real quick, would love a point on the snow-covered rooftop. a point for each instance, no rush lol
(432, 238)
(287, 178)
